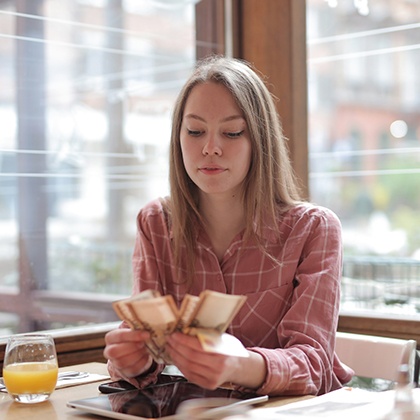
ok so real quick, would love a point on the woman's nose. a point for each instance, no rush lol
(212, 147)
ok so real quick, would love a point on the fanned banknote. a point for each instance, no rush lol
(207, 316)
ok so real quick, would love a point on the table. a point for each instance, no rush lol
(55, 408)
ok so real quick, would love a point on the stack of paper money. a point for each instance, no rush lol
(207, 316)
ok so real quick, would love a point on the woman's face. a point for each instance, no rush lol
(215, 140)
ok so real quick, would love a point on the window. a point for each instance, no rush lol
(362, 61)
(364, 143)
(86, 100)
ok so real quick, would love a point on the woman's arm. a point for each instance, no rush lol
(128, 357)
(305, 363)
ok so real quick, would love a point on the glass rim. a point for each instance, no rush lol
(28, 336)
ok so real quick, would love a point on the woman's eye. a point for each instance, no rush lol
(234, 135)
(194, 133)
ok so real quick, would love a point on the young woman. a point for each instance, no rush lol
(235, 223)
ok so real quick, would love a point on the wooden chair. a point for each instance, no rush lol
(376, 357)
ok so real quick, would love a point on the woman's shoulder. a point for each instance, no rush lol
(154, 212)
(312, 209)
(310, 212)
(156, 206)
(305, 219)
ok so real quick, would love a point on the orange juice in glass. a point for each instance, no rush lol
(30, 367)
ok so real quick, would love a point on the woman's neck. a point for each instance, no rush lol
(224, 219)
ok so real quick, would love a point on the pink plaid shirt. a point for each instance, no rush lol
(291, 312)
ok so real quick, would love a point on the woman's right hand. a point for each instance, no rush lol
(127, 351)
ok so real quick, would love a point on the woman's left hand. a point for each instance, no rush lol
(208, 370)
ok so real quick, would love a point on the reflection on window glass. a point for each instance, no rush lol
(364, 104)
(87, 93)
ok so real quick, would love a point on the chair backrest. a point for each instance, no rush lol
(375, 357)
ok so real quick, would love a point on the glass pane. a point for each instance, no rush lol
(364, 103)
(8, 323)
(87, 93)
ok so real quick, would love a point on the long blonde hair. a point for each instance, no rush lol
(269, 185)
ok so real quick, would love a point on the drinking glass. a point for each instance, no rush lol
(30, 367)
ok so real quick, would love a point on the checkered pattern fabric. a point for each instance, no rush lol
(293, 291)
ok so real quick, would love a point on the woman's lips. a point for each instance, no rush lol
(211, 170)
